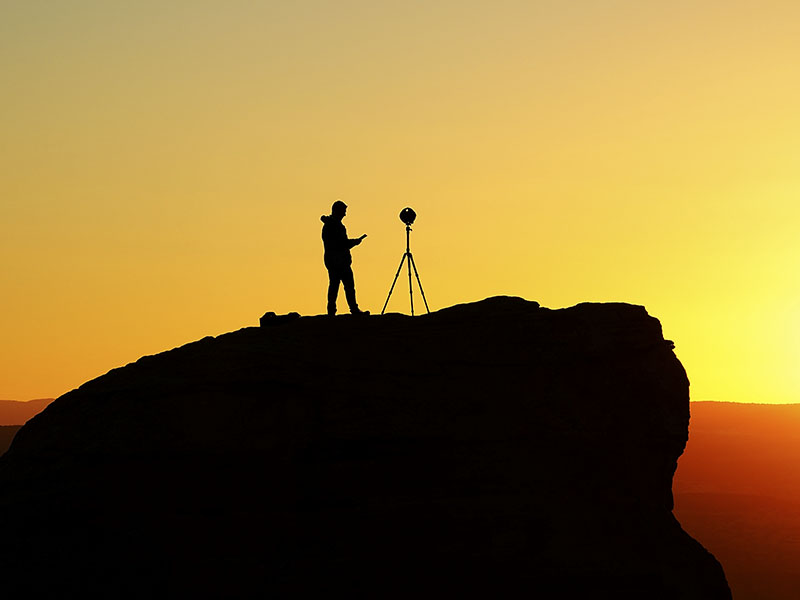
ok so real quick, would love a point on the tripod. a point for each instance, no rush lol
(411, 263)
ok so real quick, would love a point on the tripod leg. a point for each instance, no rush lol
(411, 260)
(393, 282)
(410, 289)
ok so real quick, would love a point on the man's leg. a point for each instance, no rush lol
(333, 290)
(349, 289)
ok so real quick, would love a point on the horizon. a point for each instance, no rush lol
(166, 168)
(691, 402)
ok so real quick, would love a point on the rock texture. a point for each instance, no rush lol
(485, 449)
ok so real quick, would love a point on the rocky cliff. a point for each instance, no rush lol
(483, 449)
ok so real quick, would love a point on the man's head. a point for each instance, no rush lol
(339, 209)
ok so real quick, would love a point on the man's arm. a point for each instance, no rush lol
(356, 241)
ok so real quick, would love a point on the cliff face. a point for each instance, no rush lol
(485, 448)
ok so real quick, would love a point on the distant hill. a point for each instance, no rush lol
(737, 491)
(7, 433)
(13, 412)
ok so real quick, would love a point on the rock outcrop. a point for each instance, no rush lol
(483, 449)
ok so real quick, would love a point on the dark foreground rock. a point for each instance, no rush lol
(483, 450)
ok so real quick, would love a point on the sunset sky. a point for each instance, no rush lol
(165, 165)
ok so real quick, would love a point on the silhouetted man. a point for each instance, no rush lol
(338, 259)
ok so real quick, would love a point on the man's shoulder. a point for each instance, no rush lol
(333, 226)
(333, 231)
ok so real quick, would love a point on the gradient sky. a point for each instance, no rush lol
(165, 164)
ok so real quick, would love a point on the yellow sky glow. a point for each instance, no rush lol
(165, 167)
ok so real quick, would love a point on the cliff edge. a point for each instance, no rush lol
(483, 449)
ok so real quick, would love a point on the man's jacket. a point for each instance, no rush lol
(337, 246)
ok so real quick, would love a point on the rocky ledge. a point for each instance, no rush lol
(484, 449)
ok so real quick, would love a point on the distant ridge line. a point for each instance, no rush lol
(18, 412)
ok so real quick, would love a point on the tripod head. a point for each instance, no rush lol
(407, 216)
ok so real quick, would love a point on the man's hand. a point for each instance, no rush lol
(358, 241)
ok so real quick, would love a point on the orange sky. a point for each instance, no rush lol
(165, 166)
